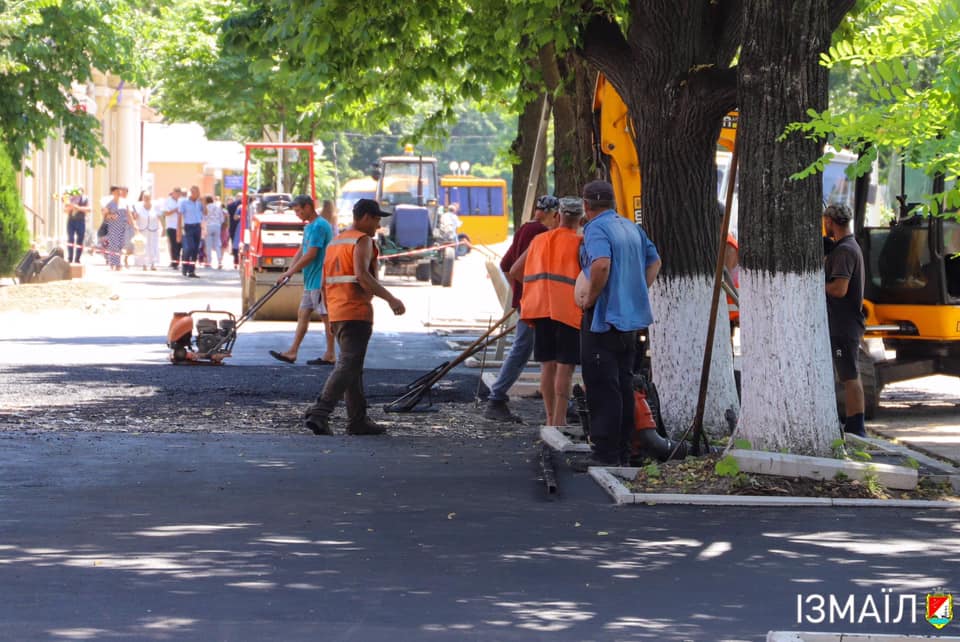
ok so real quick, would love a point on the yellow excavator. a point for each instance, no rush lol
(912, 288)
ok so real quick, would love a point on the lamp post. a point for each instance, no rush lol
(459, 168)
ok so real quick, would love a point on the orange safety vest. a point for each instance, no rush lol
(344, 298)
(549, 276)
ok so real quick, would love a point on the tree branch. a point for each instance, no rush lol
(604, 46)
(727, 18)
(838, 9)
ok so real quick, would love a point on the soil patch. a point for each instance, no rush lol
(696, 475)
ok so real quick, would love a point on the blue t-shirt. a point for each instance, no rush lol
(318, 234)
(624, 302)
(192, 211)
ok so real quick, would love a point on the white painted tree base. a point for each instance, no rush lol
(787, 373)
(681, 306)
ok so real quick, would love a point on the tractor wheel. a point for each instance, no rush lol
(423, 272)
(446, 274)
(463, 247)
(245, 301)
(436, 272)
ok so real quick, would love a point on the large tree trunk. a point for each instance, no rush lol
(523, 148)
(672, 73)
(570, 80)
(787, 377)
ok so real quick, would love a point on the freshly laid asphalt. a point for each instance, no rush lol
(237, 536)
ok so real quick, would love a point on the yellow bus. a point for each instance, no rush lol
(482, 207)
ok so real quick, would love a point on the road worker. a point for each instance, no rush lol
(549, 269)
(350, 283)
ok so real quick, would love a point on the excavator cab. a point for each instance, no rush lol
(912, 281)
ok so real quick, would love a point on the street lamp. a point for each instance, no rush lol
(459, 169)
(464, 167)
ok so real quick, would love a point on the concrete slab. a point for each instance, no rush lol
(787, 465)
(559, 442)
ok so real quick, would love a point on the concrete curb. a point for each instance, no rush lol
(560, 442)
(787, 465)
(610, 480)
(901, 449)
(799, 636)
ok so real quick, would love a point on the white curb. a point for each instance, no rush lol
(906, 451)
(560, 442)
(610, 480)
(787, 465)
(799, 636)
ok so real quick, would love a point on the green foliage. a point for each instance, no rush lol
(45, 47)
(841, 476)
(13, 225)
(743, 444)
(899, 65)
(838, 448)
(727, 467)
(910, 462)
(862, 455)
(652, 470)
(872, 482)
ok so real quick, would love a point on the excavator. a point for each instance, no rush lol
(912, 280)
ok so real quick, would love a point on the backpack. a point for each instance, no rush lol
(28, 267)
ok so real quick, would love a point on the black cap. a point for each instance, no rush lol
(368, 206)
(598, 191)
(302, 200)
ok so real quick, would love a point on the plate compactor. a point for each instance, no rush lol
(214, 336)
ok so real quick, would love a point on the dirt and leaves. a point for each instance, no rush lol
(716, 475)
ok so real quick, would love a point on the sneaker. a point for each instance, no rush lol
(584, 462)
(498, 410)
(319, 425)
(366, 427)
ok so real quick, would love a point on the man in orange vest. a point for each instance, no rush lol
(350, 283)
(550, 267)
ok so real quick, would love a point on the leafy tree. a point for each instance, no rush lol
(904, 65)
(14, 239)
(45, 47)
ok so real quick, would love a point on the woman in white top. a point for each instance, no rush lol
(213, 221)
(149, 225)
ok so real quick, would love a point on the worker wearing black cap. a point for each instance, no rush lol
(350, 283)
(844, 273)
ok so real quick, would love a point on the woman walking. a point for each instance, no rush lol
(118, 220)
(148, 224)
(213, 221)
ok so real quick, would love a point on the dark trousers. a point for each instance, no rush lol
(174, 246)
(191, 248)
(607, 366)
(76, 229)
(346, 380)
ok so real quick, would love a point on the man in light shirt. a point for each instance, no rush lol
(171, 214)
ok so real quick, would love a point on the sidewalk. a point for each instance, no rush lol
(923, 414)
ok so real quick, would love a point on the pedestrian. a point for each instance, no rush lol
(148, 221)
(233, 215)
(619, 264)
(309, 258)
(549, 270)
(497, 407)
(126, 212)
(77, 209)
(189, 233)
(171, 214)
(118, 220)
(350, 283)
(844, 272)
(214, 221)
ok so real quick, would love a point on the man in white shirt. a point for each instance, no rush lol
(171, 213)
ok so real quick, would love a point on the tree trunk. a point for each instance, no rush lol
(672, 70)
(787, 377)
(570, 80)
(523, 148)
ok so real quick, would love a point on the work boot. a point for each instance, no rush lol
(497, 410)
(366, 427)
(319, 425)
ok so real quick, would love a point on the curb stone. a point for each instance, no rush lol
(560, 442)
(610, 479)
(799, 636)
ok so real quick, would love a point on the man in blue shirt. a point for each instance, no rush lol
(309, 258)
(619, 264)
(190, 217)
